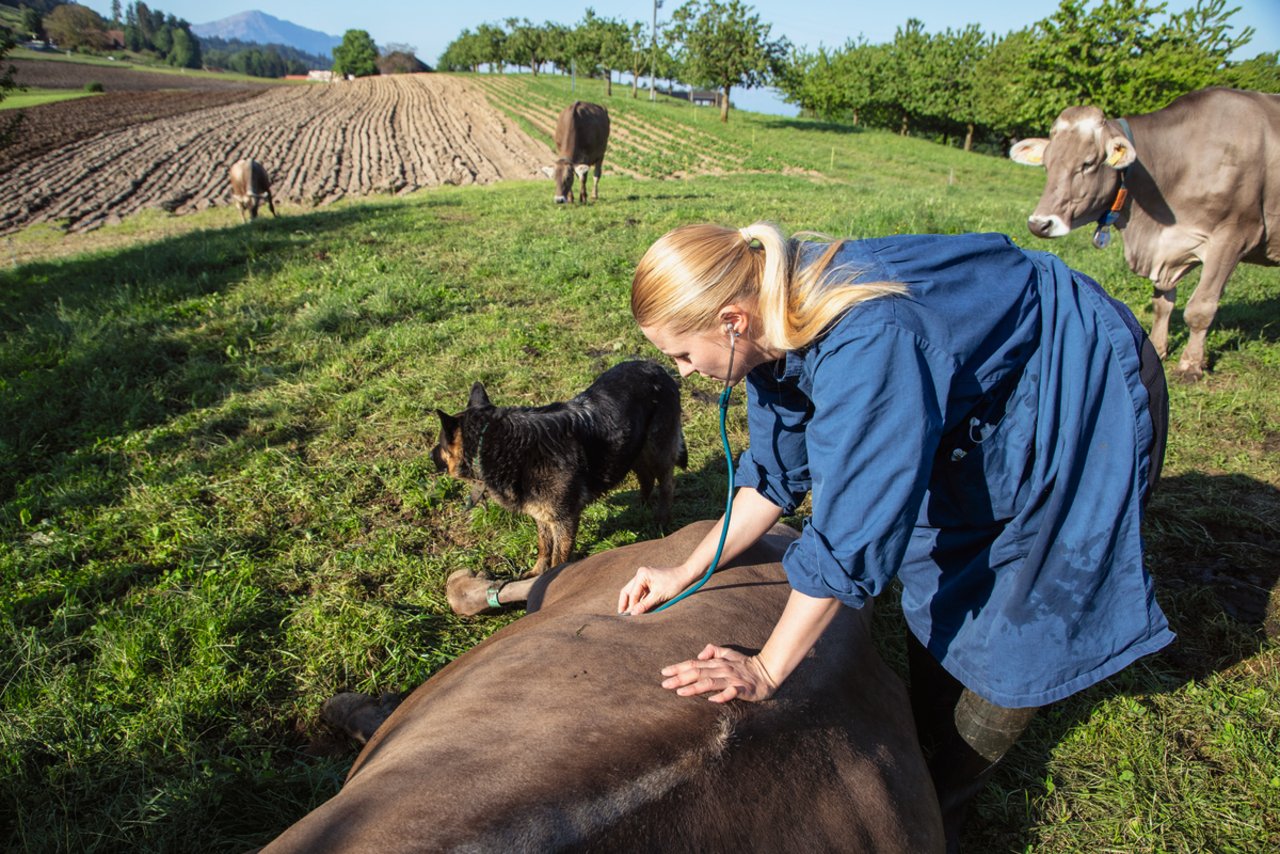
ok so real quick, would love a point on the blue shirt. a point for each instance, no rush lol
(985, 438)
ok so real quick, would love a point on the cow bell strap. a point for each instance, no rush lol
(1102, 234)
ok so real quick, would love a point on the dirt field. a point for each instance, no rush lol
(54, 74)
(320, 142)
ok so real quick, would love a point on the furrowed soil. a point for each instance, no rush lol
(319, 143)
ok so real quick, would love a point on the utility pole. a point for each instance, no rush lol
(653, 51)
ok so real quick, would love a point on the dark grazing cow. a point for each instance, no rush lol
(582, 132)
(249, 186)
(1203, 183)
(554, 734)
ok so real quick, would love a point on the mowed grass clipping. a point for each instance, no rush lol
(218, 510)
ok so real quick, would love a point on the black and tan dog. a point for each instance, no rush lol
(552, 461)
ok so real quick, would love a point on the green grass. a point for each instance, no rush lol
(216, 506)
(35, 97)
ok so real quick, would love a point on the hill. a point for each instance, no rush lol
(261, 28)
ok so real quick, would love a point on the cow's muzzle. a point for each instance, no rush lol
(1047, 226)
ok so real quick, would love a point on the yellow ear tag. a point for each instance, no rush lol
(1117, 155)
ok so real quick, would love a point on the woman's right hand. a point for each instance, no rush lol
(651, 586)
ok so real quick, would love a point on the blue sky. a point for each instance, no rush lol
(431, 26)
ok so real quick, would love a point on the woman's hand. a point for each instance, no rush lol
(651, 586)
(729, 672)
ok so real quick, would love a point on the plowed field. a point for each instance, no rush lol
(320, 142)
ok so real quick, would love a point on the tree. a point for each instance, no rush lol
(491, 46)
(724, 45)
(357, 55)
(9, 124)
(186, 49)
(1262, 73)
(115, 13)
(72, 26)
(32, 23)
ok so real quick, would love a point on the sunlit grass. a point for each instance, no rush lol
(216, 507)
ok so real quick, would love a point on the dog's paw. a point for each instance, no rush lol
(470, 595)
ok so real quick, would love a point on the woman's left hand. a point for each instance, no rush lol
(728, 672)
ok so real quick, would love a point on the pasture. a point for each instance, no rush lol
(217, 509)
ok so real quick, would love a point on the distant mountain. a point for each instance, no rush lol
(261, 28)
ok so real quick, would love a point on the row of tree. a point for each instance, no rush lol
(258, 60)
(706, 43)
(1124, 56)
(72, 26)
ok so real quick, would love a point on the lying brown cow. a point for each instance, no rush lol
(1202, 178)
(582, 132)
(555, 734)
(249, 186)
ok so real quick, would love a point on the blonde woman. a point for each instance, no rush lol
(979, 421)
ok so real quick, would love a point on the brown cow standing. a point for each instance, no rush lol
(555, 734)
(1203, 183)
(249, 186)
(582, 132)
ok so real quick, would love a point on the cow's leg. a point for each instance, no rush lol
(470, 595)
(582, 197)
(1201, 308)
(271, 204)
(595, 188)
(359, 715)
(1162, 302)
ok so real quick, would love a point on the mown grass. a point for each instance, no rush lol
(36, 97)
(217, 510)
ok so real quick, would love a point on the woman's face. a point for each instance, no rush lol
(705, 353)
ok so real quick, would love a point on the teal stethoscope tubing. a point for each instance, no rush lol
(728, 500)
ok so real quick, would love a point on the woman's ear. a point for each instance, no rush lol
(735, 318)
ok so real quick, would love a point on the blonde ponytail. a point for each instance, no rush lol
(692, 272)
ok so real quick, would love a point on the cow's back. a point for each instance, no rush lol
(1211, 160)
(555, 734)
(582, 132)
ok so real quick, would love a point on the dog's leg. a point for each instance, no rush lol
(645, 478)
(564, 531)
(666, 494)
(546, 545)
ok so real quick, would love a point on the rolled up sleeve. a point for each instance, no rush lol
(876, 423)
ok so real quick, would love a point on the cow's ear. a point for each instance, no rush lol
(549, 171)
(1029, 152)
(478, 397)
(581, 170)
(1120, 152)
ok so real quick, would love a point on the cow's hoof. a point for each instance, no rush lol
(470, 595)
(359, 715)
(1189, 374)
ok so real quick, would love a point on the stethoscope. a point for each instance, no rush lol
(728, 462)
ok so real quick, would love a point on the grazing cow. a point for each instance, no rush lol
(249, 186)
(582, 132)
(1202, 178)
(554, 734)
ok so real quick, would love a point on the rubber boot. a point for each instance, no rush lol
(963, 736)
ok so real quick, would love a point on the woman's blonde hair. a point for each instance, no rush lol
(692, 272)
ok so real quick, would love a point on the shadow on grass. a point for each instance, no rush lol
(97, 346)
(809, 124)
(1213, 544)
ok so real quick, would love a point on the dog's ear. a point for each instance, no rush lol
(448, 426)
(478, 397)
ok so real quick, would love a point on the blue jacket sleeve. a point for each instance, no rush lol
(878, 402)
